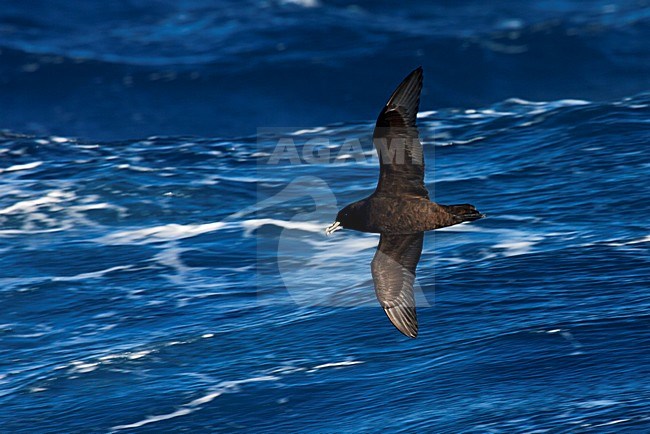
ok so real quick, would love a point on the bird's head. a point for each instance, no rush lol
(349, 217)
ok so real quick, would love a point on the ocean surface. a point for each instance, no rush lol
(167, 170)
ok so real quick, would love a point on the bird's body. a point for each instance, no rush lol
(406, 215)
(400, 209)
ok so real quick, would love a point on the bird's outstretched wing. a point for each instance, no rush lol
(396, 139)
(393, 272)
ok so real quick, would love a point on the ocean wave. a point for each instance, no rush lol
(205, 281)
(277, 51)
(230, 387)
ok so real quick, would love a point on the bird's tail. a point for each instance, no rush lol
(464, 212)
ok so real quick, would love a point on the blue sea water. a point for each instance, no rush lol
(159, 275)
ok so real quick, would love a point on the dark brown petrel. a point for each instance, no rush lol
(400, 209)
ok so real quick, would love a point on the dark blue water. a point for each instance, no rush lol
(177, 281)
(135, 68)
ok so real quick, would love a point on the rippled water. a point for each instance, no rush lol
(158, 274)
(156, 284)
(131, 69)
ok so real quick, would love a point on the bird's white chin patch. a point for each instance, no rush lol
(333, 228)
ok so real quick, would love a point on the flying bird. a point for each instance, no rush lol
(400, 209)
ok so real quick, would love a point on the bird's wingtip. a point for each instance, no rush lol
(413, 335)
(404, 320)
(419, 71)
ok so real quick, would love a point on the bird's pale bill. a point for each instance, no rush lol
(333, 228)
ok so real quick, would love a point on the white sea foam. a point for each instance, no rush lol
(510, 242)
(90, 275)
(555, 105)
(39, 216)
(520, 218)
(205, 399)
(645, 239)
(168, 232)
(83, 367)
(514, 248)
(30, 206)
(175, 231)
(465, 142)
(15, 232)
(598, 403)
(94, 206)
(251, 225)
(135, 168)
(138, 354)
(194, 405)
(558, 103)
(335, 365)
(522, 101)
(492, 112)
(613, 422)
(286, 370)
(572, 102)
(9, 282)
(153, 419)
(426, 114)
(171, 257)
(228, 387)
(37, 389)
(18, 167)
(308, 130)
(303, 3)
